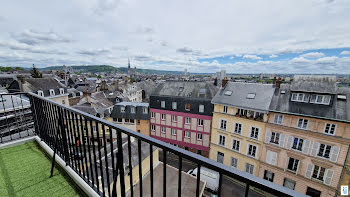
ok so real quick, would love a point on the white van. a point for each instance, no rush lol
(209, 176)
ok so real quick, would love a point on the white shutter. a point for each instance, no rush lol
(309, 170)
(273, 158)
(334, 153)
(290, 142)
(306, 146)
(329, 176)
(267, 137)
(315, 147)
(281, 141)
(268, 157)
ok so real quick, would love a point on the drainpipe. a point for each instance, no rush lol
(343, 171)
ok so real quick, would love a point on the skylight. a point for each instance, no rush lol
(251, 96)
(228, 93)
(202, 91)
(341, 97)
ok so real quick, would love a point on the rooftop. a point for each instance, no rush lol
(25, 171)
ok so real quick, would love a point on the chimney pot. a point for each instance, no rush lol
(278, 82)
(224, 82)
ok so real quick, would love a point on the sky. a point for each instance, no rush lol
(202, 36)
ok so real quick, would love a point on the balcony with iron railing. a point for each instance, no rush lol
(104, 159)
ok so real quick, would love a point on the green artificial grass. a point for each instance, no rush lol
(25, 171)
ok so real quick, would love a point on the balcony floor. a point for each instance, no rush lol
(25, 171)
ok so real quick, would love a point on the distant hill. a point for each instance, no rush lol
(107, 68)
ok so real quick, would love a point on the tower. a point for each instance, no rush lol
(129, 69)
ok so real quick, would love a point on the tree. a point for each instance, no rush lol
(99, 77)
(35, 73)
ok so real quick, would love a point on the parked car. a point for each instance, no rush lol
(209, 176)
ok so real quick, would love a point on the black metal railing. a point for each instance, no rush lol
(16, 119)
(101, 153)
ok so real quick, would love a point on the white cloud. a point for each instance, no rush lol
(253, 57)
(300, 60)
(327, 60)
(345, 53)
(273, 56)
(313, 55)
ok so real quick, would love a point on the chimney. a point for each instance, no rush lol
(278, 82)
(20, 79)
(224, 82)
(274, 80)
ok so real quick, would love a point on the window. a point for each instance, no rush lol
(138, 121)
(312, 192)
(40, 93)
(251, 150)
(132, 109)
(278, 119)
(238, 128)
(235, 145)
(63, 101)
(173, 131)
(300, 97)
(289, 183)
(187, 107)
(320, 99)
(187, 120)
(132, 121)
(94, 128)
(163, 116)
(293, 164)
(163, 130)
(162, 104)
(275, 137)
(324, 151)
(224, 110)
(228, 93)
(145, 110)
(174, 105)
(268, 175)
(251, 96)
(61, 91)
(174, 118)
(187, 134)
(200, 122)
(153, 127)
(122, 108)
(223, 124)
(152, 115)
(254, 132)
(201, 108)
(271, 157)
(298, 144)
(330, 129)
(199, 136)
(120, 120)
(249, 168)
(220, 157)
(318, 173)
(242, 112)
(303, 123)
(52, 92)
(234, 162)
(222, 140)
(126, 120)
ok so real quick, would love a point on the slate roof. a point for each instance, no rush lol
(311, 83)
(190, 89)
(133, 104)
(261, 102)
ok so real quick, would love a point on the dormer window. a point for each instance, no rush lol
(40, 93)
(320, 99)
(52, 92)
(61, 91)
(300, 97)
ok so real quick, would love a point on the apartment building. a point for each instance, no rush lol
(239, 120)
(132, 115)
(307, 136)
(181, 114)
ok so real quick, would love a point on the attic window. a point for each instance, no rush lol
(228, 93)
(52, 92)
(40, 93)
(61, 91)
(181, 89)
(202, 91)
(251, 96)
(341, 97)
(283, 91)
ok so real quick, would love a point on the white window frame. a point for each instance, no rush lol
(162, 104)
(173, 132)
(305, 97)
(274, 140)
(318, 173)
(40, 93)
(256, 150)
(122, 109)
(278, 119)
(174, 118)
(324, 151)
(174, 106)
(152, 114)
(303, 122)
(323, 99)
(187, 120)
(201, 136)
(234, 161)
(162, 116)
(61, 90)
(250, 168)
(239, 145)
(163, 130)
(201, 108)
(145, 110)
(225, 109)
(153, 127)
(224, 140)
(52, 92)
(235, 128)
(330, 128)
(187, 134)
(133, 109)
(221, 121)
(294, 163)
(257, 129)
(298, 144)
(200, 122)
(187, 109)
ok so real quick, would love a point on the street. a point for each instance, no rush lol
(230, 188)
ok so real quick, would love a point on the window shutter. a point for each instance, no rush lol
(329, 176)
(306, 146)
(334, 153)
(315, 147)
(289, 142)
(268, 137)
(273, 158)
(268, 157)
(281, 141)
(309, 169)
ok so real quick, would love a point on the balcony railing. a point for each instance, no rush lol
(70, 134)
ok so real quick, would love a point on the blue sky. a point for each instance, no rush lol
(252, 36)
